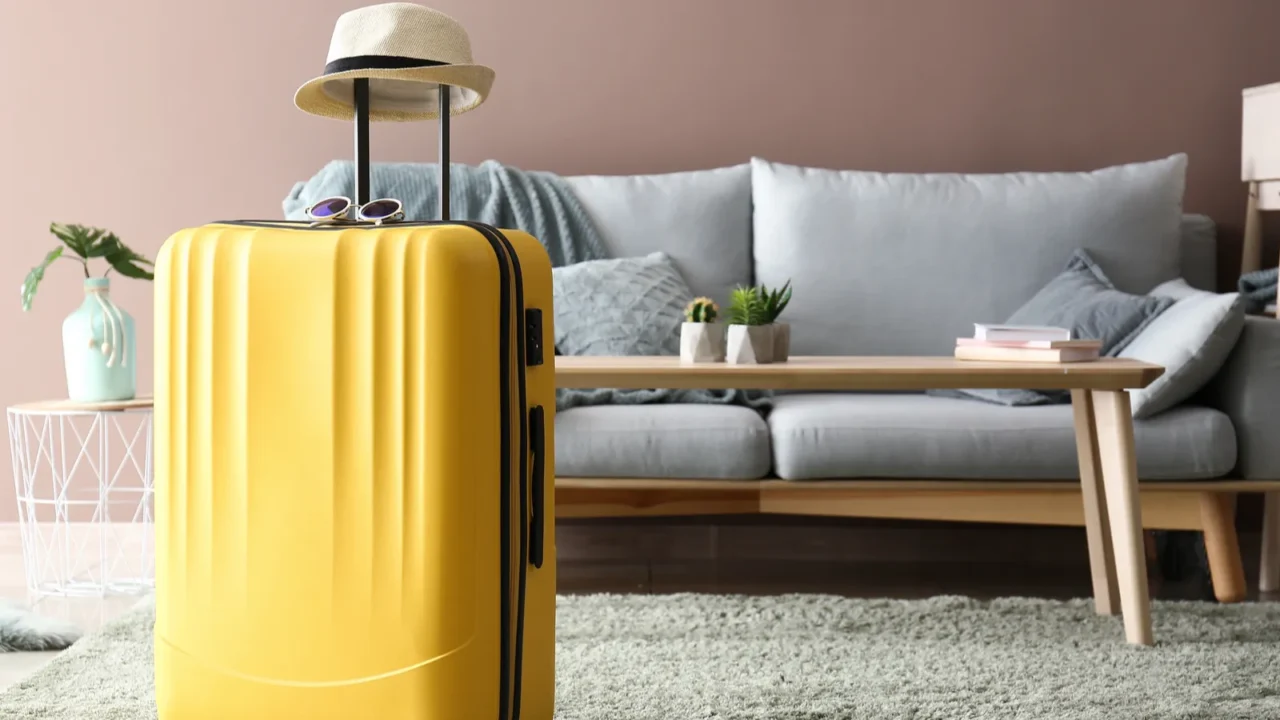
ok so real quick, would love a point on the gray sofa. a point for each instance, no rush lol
(902, 265)
(704, 220)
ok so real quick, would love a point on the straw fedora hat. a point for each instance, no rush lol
(406, 51)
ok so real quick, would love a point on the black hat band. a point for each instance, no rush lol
(377, 62)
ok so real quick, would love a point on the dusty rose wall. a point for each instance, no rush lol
(149, 115)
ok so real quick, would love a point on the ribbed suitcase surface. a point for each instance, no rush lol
(353, 448)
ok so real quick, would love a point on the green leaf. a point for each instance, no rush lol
(102, 243)
(127, 262)
(35, 275)
(747, 307)
(129, 269)
(77, 237)
(774, 301)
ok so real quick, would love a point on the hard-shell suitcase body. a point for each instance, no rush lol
(353, 449)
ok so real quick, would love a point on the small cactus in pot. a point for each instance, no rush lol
(701, 339)
(701, 310)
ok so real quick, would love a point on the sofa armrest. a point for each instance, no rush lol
(1247, 389)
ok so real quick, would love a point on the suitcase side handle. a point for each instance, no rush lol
(538, 445)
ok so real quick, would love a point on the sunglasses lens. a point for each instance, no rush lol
(380, 209)
(329, 208)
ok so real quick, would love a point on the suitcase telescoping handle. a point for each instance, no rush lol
(361, 98)
(538, 445)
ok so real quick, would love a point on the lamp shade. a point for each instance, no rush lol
(1260, 134)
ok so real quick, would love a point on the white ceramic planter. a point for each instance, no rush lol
(750, 344)
(781, 341)
(701, 343)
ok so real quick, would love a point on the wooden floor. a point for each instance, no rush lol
(87, 613)
(851, 557)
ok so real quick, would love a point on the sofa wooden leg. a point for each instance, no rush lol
(1218, 519)
(1102, 562)
(1269, 575)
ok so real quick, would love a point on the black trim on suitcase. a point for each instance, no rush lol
(504, 393)
(309, 225)
(518, 664)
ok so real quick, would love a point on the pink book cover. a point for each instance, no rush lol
(1037, 344)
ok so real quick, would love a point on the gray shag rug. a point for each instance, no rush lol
(679, 657)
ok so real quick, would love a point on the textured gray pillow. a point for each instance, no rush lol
(1083, 300)
(622, 306)
(1191, 340)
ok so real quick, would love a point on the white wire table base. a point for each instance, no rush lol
(83, 479)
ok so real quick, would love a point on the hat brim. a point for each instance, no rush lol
(397, 95)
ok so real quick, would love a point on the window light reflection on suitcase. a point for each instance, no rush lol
(353, 423)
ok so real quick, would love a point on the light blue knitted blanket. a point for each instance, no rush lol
(539, 203)
(1258, 288)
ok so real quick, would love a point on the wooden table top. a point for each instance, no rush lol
(73, 407)
(852, 373)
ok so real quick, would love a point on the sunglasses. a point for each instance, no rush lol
(340, 209)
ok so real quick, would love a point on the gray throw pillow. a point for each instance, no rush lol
(1083, 300)
(622, 306)
(1191, 340)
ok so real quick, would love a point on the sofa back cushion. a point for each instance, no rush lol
(700, 219)
(891, 263)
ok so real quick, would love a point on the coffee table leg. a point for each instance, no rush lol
(1102, 562)
(1114, 423)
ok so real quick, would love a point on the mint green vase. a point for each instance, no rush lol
(99, 346)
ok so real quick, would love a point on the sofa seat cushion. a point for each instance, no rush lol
(918, 436)
(662, 441)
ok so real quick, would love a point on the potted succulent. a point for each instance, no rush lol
(98, 339)
(701, 339)
(775, 301)
(750, 338)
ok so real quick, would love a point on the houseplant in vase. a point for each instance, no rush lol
(98, 339)
(750, 337)
(775, 301)
(701, 339)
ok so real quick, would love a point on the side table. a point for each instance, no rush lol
(83, 479)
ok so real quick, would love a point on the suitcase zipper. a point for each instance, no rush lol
(523, 552)
(504, 521)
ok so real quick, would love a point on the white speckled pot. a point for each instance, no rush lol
(750, 344)
(701, 343)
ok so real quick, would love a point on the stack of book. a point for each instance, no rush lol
(1021, 343)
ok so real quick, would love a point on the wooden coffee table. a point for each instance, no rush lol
(1103, 425)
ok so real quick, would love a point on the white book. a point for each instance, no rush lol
(1019, 333)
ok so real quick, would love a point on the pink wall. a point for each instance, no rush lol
(145, 116)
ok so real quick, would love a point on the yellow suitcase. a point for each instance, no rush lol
(353, 448)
